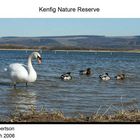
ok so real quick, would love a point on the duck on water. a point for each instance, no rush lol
(120, 77)
(66, 76)
(104, 77)
(85, 72)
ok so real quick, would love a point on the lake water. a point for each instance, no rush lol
(82, 94)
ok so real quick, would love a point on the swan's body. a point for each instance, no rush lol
(20, 73)
(105, 77)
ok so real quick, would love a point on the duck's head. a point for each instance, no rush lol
(68, 73)
(88, 69)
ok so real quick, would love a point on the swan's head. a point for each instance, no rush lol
(37, 56)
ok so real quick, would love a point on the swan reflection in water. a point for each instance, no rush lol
(19, 100)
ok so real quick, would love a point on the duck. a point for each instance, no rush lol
(21, 73)
(104, 77)
(85, 72)
(120, 76)
(66, 76)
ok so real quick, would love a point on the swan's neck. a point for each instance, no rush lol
(30, 66)
(32, 74)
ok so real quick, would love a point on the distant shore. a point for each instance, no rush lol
(135, 51)
(23, 49)
(17, 49)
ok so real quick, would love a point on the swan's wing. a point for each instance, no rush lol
(17, 67)
(25, 66)
(18, 72)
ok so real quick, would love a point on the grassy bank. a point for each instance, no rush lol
(125, 116)
(134, 51)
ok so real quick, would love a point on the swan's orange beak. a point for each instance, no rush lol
(39, 59)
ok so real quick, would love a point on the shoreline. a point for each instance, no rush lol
(94, 51)
(18, 49)
(127, 51)
(59, 117)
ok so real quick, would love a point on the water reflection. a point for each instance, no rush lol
(17, 99)
(23, 97)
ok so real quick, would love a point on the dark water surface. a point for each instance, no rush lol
(80, 95)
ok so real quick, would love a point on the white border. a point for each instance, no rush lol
(76, 132)
(108, 8)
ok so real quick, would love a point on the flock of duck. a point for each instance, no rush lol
(104, 77)
(21, 73)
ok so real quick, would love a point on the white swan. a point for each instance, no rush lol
(20, 73)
